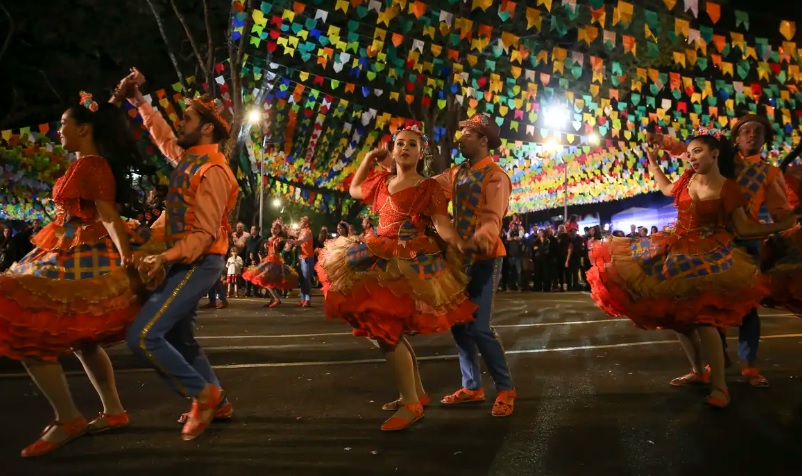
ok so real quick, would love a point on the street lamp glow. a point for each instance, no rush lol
(277, 203)
(254, 116)
(556, 116)
(552, 145)
(294, 226)
(593, 138)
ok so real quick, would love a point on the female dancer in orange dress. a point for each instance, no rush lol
(398, 281)
(72, 293)
(781, 255)
(692, 279)
(272, 274)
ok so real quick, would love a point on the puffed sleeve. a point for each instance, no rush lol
(96, 180)
(436, 202)
(732, 198)
(370, 187)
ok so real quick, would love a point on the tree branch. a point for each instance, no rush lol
(190, 36)
(7, 41)
(210, 84)
(167, 44)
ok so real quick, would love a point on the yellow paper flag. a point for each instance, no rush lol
(788, 29)
(533, 18)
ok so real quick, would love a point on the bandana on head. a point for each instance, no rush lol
(88, 102)
(213, 106)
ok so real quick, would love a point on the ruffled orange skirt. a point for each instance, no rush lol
(781, 261)
(70, 291)
(272, 273)
(674, 282)
(386, 288)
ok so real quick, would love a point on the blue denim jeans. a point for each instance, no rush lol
(479, 336)
(163, 331)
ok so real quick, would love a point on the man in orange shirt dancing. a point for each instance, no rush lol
(307, 258)
(202, 192)
(479, 190)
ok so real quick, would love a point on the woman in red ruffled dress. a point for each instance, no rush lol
(272, 273)
(692, 279)
(398, 281)
(72, 293)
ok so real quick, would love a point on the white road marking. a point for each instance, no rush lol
(424, 358)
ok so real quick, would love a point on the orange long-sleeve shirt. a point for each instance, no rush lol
(212, 192)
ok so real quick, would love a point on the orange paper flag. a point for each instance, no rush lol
(713, 11)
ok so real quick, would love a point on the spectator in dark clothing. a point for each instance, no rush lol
(22, 240)
(563, 246)
(253, 243)
(573, 260)
(541, 257)
(514, 257)
(7, 250)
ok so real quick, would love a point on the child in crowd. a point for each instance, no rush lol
(233, 271)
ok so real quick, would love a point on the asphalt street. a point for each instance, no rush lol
(593, 399)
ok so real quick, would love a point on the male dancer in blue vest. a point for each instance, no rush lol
(479, 190)
(202, 192)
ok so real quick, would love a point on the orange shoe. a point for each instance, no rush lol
(692, 378)
(722, 400)
(274, 303)
(106, 422)
(221, 304)
(755, 379)
(224, 412)
(202, 413)
(306, 304)
(73, 429)
(396, 404)
(464, 395)
(413, 413)
(505, 403)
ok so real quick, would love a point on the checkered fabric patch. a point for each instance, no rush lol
(81, 262)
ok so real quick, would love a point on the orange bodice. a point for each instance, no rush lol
(413, 205)
(86, 180)
(694, 215)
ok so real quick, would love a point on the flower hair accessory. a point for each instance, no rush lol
(717, 134)
(413, 128)
(88, 102)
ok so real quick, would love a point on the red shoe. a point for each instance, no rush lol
(464, 395)
(755, 379)
(73, 428)
(224, 412)
(424, 400)
(396, 423)
(221, 305)
(106, 422)
(202, 413)
(692, 378)
(274, 303)
(505, 403)
(306, 304)
(718, 401)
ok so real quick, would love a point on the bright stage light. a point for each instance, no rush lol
(593, 139)
(556, 116)
(254, 116)
(277, 203)
(294, 226)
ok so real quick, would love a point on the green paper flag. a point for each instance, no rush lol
(742, 18)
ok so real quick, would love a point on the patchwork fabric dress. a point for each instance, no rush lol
(72, 289)
(691, 275)
(397, 281)
(781, 255)
(272, 272)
